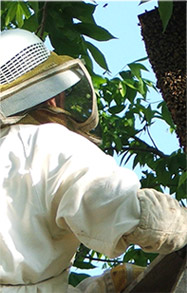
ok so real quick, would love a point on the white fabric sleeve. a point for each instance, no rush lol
(96, 198)
(99, 203)
(163, 223)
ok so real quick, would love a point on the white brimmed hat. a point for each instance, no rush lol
(30, 75)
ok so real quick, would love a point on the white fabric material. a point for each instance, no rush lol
(163, 223)
(99, 284)
(12, 42)
(57, 189)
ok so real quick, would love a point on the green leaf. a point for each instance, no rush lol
(135, 161)
(98, 80)
(181, 192)
(183, 179)
(165, 9)
(116, 109)
(149, 114)
(166, 115)
(25, 9)
(122, 89)
(31, 24)
(94, 31)
(149, 83)
(130, 122)
(88, 62)
(126, 74)
(130, 94)
(136, 69)
(141, 59)
(82, 11)
(118, 143)
(83, 265)
(1, 12)
(143, 1)
(75, 279)
(141, 87)
(19, 15)
(97, 55)
(11, 13)
(34, 6)
(130, 83)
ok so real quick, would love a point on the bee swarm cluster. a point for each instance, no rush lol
(167, 55)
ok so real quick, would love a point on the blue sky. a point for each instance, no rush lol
(121, 19)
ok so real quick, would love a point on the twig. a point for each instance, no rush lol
(147, 128)
(141, 149)
(150, 148)
(42, 25)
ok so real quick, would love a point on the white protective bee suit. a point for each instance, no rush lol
(57, 190)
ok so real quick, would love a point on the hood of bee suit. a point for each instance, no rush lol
(53, 75)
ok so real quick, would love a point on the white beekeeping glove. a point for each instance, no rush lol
(163, 223)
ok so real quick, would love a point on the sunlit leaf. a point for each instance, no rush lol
(98, 80)
(19, 15)
(25, 10)
(122, 88)
(11, 13)
(94, 31)
(166, 115)
(97, 55)
(136, 69)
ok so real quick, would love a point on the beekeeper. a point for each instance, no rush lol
(57, 188)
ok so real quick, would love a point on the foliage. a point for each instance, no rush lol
(126, 115)
(64, 22)
(165, 9)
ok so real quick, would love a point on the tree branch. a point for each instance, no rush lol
(41, 27)
(149, 148)
(146, 149)
(147, 128)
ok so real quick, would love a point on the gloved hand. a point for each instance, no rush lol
(111, 281)
(163, 223)
(123, 275)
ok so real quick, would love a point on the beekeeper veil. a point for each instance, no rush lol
(30, 75)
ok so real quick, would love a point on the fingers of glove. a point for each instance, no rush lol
(123, 275)
(163, 223)
(161, 211)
